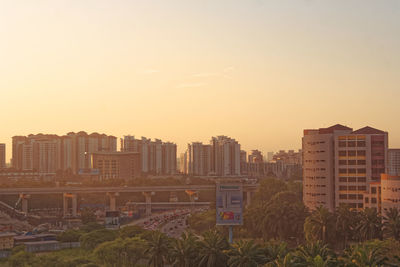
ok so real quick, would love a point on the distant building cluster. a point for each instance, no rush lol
(353, 168)
(94, 156)
(156, 157)
(47, 153)
(219, 158)
(223, 157)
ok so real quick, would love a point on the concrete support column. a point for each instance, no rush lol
(25, 205)
(24, 202)
(74, 205)
(113, 201)
(147, 196)
(65, 204)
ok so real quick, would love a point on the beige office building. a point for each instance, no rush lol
(340, 164)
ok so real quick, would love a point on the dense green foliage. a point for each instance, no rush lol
(278, 231)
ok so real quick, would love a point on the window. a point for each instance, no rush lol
(351, 144)
(360, 152)
(361, 170)
(352, 162)
(342, 179)
(342, 170)
(352, 179)
(361, 162)
(366, 200)
(373, 200)
(362, 188)
(373, 190)
(361, 143)
(342, 153)
(361, 179)
(360, 196)
(360, 205)
(342, 196)
(342, 162)
(351, 153)
(342, 143)
(352, 170)
(352, 187)
(342, 188)
(352, 196)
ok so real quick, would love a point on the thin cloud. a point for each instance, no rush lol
(205, 74)
(190, 85)
(229, 69)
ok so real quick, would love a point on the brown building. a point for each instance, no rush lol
(49, 153)
(342, 166)
(6, 240)
(117, 165)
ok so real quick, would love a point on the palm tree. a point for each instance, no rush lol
(184, 251)
(370, 224)
(368, 254)
(318, 225)
(246, 254)
(315, 254)
(158, 248)
(391, 223)
(211, 249)
(283, 261)
(275, 250)
(345, 223)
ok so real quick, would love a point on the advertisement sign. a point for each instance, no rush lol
(229, 204)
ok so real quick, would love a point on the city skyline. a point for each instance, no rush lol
(259, 71)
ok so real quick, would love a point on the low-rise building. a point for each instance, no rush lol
(6, 240)
(117, 165)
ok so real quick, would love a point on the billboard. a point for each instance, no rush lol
(229, 204)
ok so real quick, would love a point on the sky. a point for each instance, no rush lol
(183, 71)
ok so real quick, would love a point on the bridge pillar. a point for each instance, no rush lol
(74, 205)
(24, 202)
(66, 197)
(65, 205)
(147, 196)
(113, 201)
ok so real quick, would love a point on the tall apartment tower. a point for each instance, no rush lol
(225, 156)
(198, 159)
(394, 162)
(48, 153)
(2, 156)
(340, 164)
(157, 157)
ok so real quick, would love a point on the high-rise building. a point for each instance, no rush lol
(2, 156)
(222, 157)
(198, 159)
(47, 153)
(340, 164)
(117, 165)
(225, 156)
(157, 157)
(394, 162)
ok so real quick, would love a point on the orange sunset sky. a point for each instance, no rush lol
(182, 71)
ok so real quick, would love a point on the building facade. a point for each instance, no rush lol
(394, 161)
(47, 153)
(117, 165)
(340, 164)
(157, 157)
(2, 156)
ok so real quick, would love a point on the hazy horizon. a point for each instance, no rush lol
(183, 71)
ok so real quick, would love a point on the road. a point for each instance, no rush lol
(124, 189)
